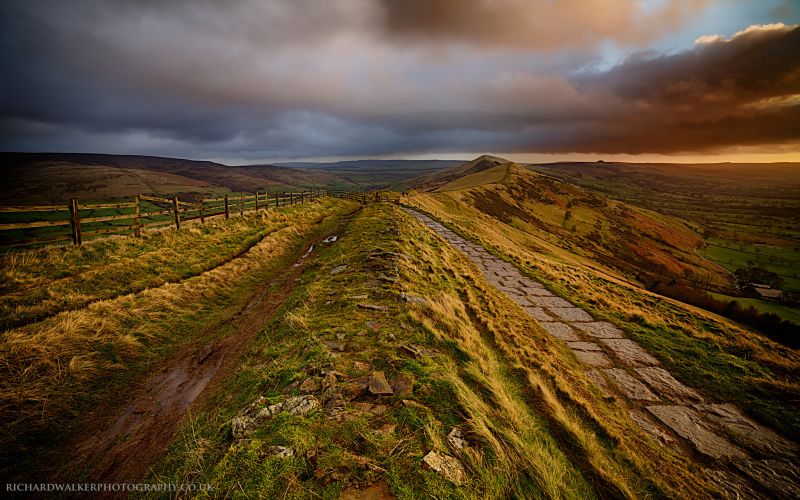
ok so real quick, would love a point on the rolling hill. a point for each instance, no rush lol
(640, 244)
(54, 177)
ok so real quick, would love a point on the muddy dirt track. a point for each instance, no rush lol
(121, 444)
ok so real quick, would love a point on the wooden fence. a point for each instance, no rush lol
(76, 221)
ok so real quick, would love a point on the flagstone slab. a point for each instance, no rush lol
(560, 331)
(628, 385)
(573, 314)
(537, 313)
(646, 424)
(748, 432)
(593, 358)
(688, 424)
(779, 477)
(584, 346)
(666, 385)
(550, 302)
(630, 352)
(600, 382)
(601, 329)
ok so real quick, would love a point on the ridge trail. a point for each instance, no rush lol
(745, 459)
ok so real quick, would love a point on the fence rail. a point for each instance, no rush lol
(144, 211)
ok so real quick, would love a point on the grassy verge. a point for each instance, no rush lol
(39, 283)
(724, 360)
(535, 426)
(53, 369)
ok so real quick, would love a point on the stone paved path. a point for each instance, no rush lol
(741, 456)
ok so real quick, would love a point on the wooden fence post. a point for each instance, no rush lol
(241, 204)
(256, 201)
(177, 214)
(227, 211)
(75, 221)
(137, 231)
(276, 199)
(202, 211)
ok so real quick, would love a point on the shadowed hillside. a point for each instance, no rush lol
(55, 177)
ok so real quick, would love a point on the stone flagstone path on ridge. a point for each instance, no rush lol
(675, 415)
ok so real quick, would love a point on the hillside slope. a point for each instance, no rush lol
(31, 178)
(432, 181)
(522, 219)
(640, 244)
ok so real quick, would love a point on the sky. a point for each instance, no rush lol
(252, 81)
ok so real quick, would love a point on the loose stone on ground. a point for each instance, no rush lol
(449, 467)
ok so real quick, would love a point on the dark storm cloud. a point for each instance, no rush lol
(255, 79)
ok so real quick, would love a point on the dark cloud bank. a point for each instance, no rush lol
(367, 77)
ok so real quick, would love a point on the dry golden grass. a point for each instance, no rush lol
(47, 367)
(726, 361)
(554, 396)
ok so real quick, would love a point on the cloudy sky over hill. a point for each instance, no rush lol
(253, 80)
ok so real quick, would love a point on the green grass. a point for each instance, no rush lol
(779, 259)
(484, 368)
(55, 369)
(783, 311)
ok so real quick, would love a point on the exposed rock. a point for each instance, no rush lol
(377, 491)
(403, 384)
(373, 307)
(328, 381)
(780, 477)
(666, 385)
(361, 366)
(560, 331)
(449, 467)
(297, 405)
(335, 345)
(732, 486)
(629, 386)
(309, 386)
(363, 296)
(330, 239)
(378, 384)
(601, 329)
(630, 352)
(749, 432)
(388, 279)
(456, 439)
(338, 269)
(688, 425)
(279, 451)
(243, 426)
